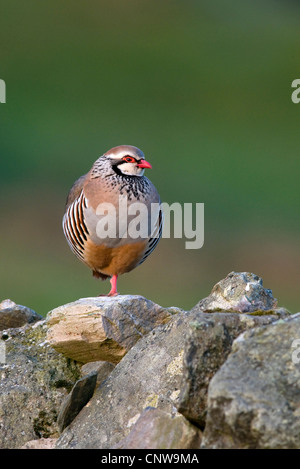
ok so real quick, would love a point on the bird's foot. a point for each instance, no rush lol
(110, 294)
(113, 282)
(113, 290)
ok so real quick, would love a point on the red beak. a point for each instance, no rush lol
(144, 164)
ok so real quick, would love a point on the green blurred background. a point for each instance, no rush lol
(202, 87)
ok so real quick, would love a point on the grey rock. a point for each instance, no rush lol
(149, 375)
(208, 343)
(102, 369)
(158, 429)
(103, 328)
(231, 367)
(254, 399)
(81, 393)
(42, 443)
(7, 304)
(13, 315)
(241, 292)
(34, 381)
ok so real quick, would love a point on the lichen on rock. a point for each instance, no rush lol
(218, 376)
(34, 381)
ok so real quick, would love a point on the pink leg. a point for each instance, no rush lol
(113, 282)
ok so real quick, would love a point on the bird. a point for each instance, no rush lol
(116, 175)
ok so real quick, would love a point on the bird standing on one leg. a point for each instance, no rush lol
(116, 175)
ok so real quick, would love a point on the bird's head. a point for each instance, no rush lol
(127, 160)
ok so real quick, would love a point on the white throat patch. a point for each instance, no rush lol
(131, 169)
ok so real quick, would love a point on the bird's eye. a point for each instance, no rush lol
(129, 159)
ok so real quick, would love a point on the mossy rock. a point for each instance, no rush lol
(34, 381)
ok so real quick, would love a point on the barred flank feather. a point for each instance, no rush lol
(155, 237)
(74, 227)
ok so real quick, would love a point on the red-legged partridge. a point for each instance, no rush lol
(116, 178)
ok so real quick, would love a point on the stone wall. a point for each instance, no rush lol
(126, 373)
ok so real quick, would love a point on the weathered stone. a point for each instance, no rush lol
(241, 292)
(42, 443)
(103, 370)
(7, 304)
(157, 429)
(81, 393)
(149, 375)
(103, 328)
(254, 399)
(34, 381)
(208, 343)
(13, 315)
(233, 372)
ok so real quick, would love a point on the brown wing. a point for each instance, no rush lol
(75, 190)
